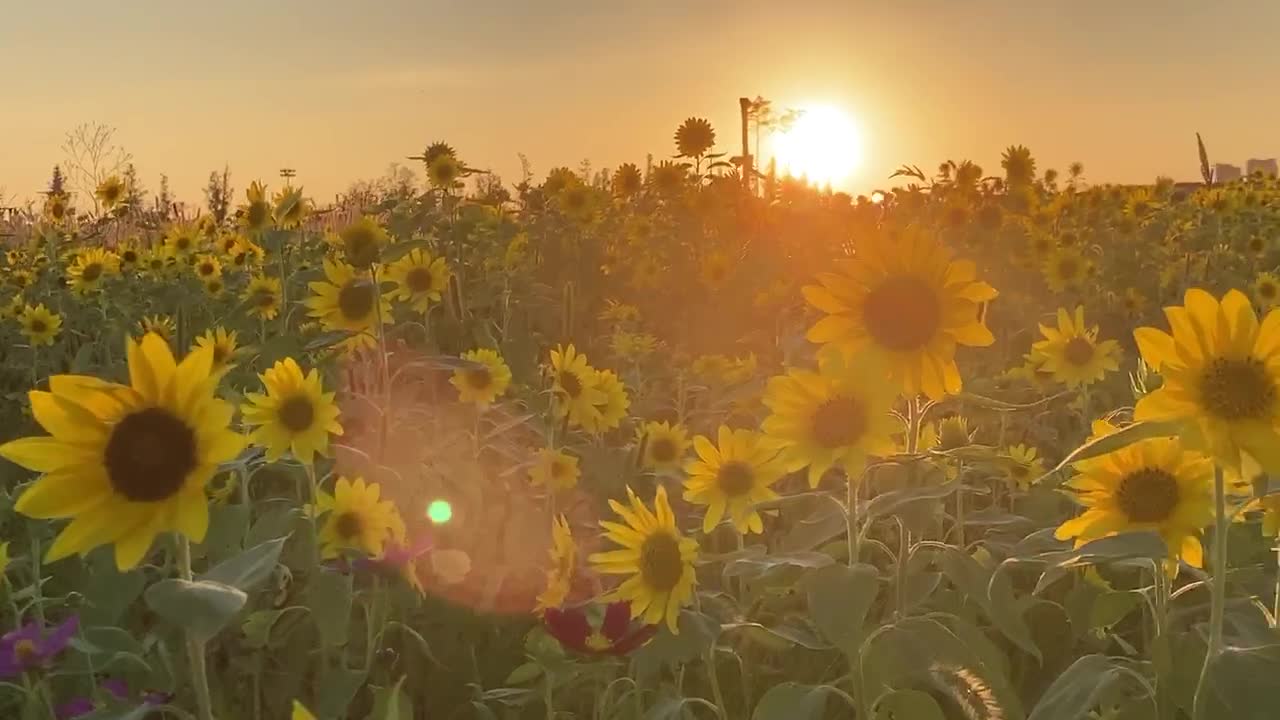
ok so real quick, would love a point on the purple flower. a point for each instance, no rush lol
(116, 688)
(32, 646)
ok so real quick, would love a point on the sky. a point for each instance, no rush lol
(339, 89)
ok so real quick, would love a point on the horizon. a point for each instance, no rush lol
(256, 94)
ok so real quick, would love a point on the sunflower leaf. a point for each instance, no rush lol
(794, 701)
(912, 704)
(246, 570)
(201, 607)
(1108, 444)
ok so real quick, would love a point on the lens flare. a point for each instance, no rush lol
(439, 512)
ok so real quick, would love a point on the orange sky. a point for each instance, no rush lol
(338, 90)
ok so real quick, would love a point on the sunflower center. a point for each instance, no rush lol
(570, 383)
(149, 455)
(1237, 389)
(1078, 351)
(361, 247)
(1068, 267)
(662, 450)
(839, 422)
(91, 272)
(297, 413)
(902, 314)
(1149, 495)
(419, 280)
(355, 300)
(240, 258)
(219, 354)
(206, 268)
(183, 243)
(559, 469)
(735, 478)
(129, 256)
(661, 566)
(264, 298)
(348, 525)
(479, 378)
(1267, 290)
(38, 326)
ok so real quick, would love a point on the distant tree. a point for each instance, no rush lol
(135, 193)
(92, 156)
(57, 183)
(217, 194)
(164, 200)
(490, 190)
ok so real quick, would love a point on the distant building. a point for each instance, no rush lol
(1222, 172)
(1267, 166)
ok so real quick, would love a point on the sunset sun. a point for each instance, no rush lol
(823, 146)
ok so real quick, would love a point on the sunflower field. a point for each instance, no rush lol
(658, 443)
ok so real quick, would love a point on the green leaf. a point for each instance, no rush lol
(907, 705)
(1110, 443)
(793, 701)
(109, 592)
(779, 637)
(525, 673)
(227, 527)
(200, 607)
(327, 340)
(839, 599)
(1146, 546)
(989, 403)
(753, 563)
(392, 703)
(83, 361)
(698, 632)
(246, 570)
(896, 501)
(1110, 608)
(338, 686)
(1073, 695)
(329, 597)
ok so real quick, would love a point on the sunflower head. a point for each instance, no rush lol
(162, 326)
(262, 296)
(444, 170)
(39, 325)
(554, 470)
(420, 279)
(222, 347)
(564, 563)
(1072, 353)
(111, 192)
(627, 180)
(694, 137)
(484, 380)
(356, 518)
(362, 242)
(1266, 289)
(256, 213)
(291, 209)
(294, 415)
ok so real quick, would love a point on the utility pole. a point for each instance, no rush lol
(748, 162)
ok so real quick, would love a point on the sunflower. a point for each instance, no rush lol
(694, 137)
(12, 310)
(1065, 269)
(1269, 505)
(214, 285)
(1266, 289)
(357, 519)
(667, 177)
(246, 253)
(20, 278)
(575, 387)
(419, 278)
(564, 561)
(290, 208)
(159, 262)
(613, 410)
(362, 242)
(444, 170)
(300, 712)
(207, 267)
(182, 240)
(255, 214)
(1154, 484)
(129, 256)
(1221, 373)
(627, 180)
(1072, 353)
(161, 325)
(1133, 302)
(263, 296)
(126, 463)
(1257, 245)
(39, 325)
(715, 269)
(56, 207)
(907, 299)
(223, 347)
(835, 416)
(1023, 465)
(483, 381)
(90, 268)
(656, 556)
(349, 301)
(555, 470)
(663, 446)
(733, 478)
(111, 192)
(295, 414)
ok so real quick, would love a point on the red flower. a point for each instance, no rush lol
(615, 635)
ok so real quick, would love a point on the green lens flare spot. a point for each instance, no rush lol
(439, 512)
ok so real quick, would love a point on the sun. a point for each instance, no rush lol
(823, 146)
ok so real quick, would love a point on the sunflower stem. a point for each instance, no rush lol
(1275, 607)
(714, 677)
(195, 647)
(284, 287)
(37, 586)
(1219, 594)
(851, 518)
